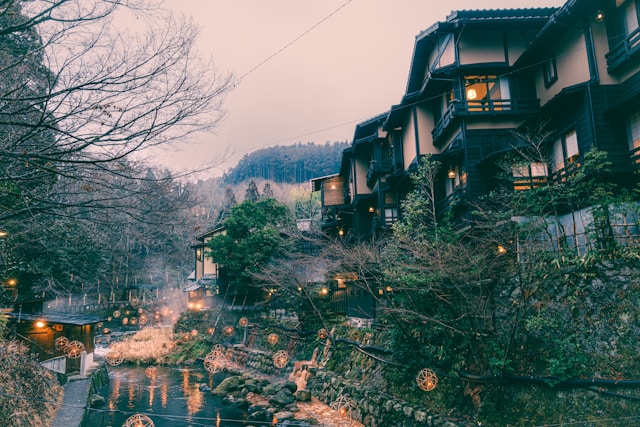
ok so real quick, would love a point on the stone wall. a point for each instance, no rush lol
(371, 407)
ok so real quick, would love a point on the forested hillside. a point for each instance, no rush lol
(292, 164)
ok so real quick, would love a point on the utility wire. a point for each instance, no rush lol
(277, 52)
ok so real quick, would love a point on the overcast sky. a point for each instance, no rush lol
(330, 64)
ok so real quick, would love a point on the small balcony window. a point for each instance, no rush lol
(529, 176)
(549, 72)
(487, 93)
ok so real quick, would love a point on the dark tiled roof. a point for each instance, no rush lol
(65, 318)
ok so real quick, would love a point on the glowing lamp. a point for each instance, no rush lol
(472, 94)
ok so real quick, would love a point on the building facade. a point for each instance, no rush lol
(483, 83)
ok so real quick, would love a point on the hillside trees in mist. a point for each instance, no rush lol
(293, 164)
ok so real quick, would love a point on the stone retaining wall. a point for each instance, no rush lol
(371, 407)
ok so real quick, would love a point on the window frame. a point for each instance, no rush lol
(550, 72)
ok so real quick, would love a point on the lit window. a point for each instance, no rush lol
(565, 150)
(528, 176)
(487, 93)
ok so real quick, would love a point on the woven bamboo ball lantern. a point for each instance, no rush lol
(61, 343)
(213, 362)
(74, 349)
(228, 330)
(272, 339)
(138, 420)
(151, 372)
(243, 321)
(280, 359)
(219, 350)
(344, 406)
(125, 321)
(427, 379)
(114, 357)
(116, 314)
(323, 334)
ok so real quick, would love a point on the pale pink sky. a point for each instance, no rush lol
(352, 66)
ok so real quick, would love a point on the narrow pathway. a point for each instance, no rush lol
(71, 412)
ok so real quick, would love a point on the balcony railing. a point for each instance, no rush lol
(488, 107)
(635, 158)
(624, 51)
(377, 168)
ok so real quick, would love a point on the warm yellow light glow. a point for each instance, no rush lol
(3, 233)
(451, 174)
(599, 17)
(341, 233)
(324, 291)
(40, 324)
(388, 289)
(472, 94)
(12, 282)
(502, 249)
(371, 209)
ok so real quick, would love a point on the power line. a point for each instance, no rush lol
(277, 52)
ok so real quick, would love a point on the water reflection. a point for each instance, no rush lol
(171, 398)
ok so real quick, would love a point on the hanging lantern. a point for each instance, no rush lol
(106, 331)
(272, 339)
(151, 372)
(323, 334)
(74, 349)
(143, 320)
(194, 332)
(133, 321)
(140, 311)
(280, 359)
(61, 343)
(99, 325)
(125, 321)
(114, 357)
(344, 406)
(228, 330)
(427, 379)
(214, 362)
(243, 321)
(116, 314)
(138, 420)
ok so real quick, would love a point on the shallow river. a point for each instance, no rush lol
(170, 398)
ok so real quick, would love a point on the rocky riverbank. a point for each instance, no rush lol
(273, 399)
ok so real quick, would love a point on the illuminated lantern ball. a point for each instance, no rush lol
(228, 330)
(133, 321)
(114, 357)
(427, 379)
(106, 331)
(74, 349)
(214, 362)
(138, 420)
(243, 321)
(272, 339)
(219, 350)
(116, 314)
(99, 325)
(280, 359)
(125, 321)
(61, 343)
(323, 333)
(194, 332)
(143, 320)
(344, 406)
(151, 372)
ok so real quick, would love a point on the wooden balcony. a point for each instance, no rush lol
(620, 54)
(489, 108)
(635, 159)
(377, 168)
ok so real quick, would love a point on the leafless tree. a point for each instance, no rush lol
(82, 102)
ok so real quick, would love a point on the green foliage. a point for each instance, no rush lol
(254, 233)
